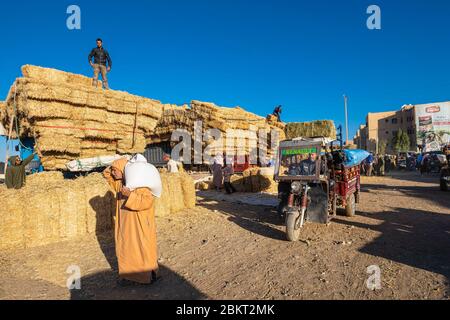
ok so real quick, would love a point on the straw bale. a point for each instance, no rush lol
(53, 75)
(178, 194)
(203, 186)
(50, 209)
(266, 180)
(162, 205)
(188, 187)
(321, 128)
(53, 103)
(238, 182)
(175, 192)
(2, 111)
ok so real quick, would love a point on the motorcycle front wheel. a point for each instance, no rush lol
(293, 226)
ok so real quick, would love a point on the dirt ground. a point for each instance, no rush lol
(224, 250)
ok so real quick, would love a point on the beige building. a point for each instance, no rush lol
(383, 127)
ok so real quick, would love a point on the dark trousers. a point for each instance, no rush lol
(229, 187)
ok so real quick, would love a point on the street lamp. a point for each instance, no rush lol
(346, 118)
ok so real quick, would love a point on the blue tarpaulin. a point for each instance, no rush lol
(16, 148)
(355, 157)
(11, 145)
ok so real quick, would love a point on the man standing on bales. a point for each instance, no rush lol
(102, 63)
(135, 229)
(15, 175)
(277, 112)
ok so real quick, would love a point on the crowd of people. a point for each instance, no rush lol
(379, 165)
(222, 171)
(427, 162)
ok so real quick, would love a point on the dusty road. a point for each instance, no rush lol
(224, 250)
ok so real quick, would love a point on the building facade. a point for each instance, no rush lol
(382, 127)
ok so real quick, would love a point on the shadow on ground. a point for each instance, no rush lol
(103, 286)
(259, 220)
(416, 238)
(427, 193)
(414, 176)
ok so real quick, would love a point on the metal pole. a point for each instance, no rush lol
(346, 118)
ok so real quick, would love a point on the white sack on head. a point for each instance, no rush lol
(138, 158)
(141, 174)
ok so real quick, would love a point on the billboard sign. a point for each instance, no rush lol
(433, 125)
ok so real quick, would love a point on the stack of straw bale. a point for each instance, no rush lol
(252, 180)
(2, 117)
(178, 193)
(50, 209)
(215, 117)
(71, 119)
(2, 111)
(257, 180)
(321, 128)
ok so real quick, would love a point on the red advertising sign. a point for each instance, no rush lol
(433, 109)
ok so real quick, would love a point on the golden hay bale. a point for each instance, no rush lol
(321, 128)
(238, 183)
(178, 194)
(203, 186)
(162, 205)
(2, 111)
(50, 209)
(55, 76)
(175, 196)
(55, 103)
(188, 187)
(266, 179)
(44, 179)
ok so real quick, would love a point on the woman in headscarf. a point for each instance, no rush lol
(135, 229)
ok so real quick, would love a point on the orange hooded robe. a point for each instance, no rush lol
(135, 230)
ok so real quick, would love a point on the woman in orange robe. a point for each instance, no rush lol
(135, 228)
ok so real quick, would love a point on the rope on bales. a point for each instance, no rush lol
(16, 120)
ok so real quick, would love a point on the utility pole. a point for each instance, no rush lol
(346, 118)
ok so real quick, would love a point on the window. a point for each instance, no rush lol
(394, 121)
(387, 120)
(394, 133)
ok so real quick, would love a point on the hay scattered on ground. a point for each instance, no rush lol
(321, 128)
(50, 209)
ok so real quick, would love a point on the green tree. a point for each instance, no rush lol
(401, 141)
(382, 145)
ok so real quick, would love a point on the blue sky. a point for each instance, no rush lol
(302, 54)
